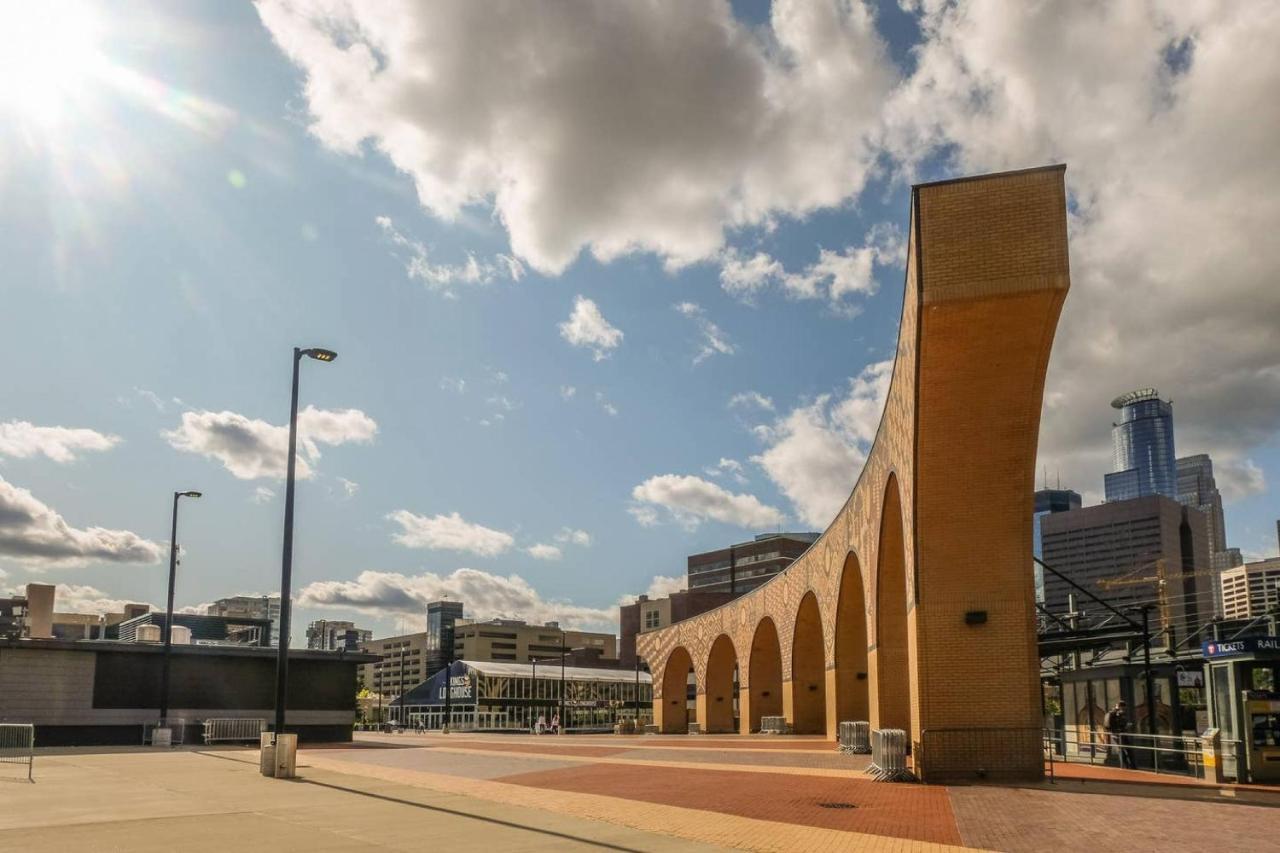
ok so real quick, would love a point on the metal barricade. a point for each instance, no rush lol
(855, 737)
(1152, 753)
(889, 756)
(774, 726)
(18, 746)
(233, 729)
(177, 727)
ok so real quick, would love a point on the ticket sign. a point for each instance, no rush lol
(1242, 646)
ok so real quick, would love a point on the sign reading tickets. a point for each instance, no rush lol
(1243, 646)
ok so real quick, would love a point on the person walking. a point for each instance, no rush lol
(1117, 725)
(540, 726)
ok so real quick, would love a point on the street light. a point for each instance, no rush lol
(168, 617)
(286, 563)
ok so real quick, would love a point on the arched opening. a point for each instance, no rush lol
(764, 684)
(893, 677)
(675, 692)
(852, 698)
(808, 671)
(722, 690)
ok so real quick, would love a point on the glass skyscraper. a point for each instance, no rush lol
(1047, 501)
(1143, 460)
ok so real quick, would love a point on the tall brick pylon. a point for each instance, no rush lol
(916, 607)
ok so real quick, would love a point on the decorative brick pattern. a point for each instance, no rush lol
(987, 273)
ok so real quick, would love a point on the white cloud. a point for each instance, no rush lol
(442, 277)
(1238, 478)
(568, 535)
(262, 494)
(605, 406)
(349, 487)
(587, 327)
(691, 500)
(543, 551)
(251, 448)
(660, 587)
(816, 451)
(732, 467)
(449, 533)
(22, 440)
(1174, 186)
(456, 385)
(744, 277)
(486, 596)
(81, 598)
(32, 532)
(586, 126)
(567, 392)
(714, 340)
(152, 398)
(751, 400)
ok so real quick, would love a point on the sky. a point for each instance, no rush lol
(610, 284)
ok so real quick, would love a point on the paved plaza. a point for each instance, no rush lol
(408, 792)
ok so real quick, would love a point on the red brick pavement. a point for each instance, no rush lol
(902, 811)
(555, 748)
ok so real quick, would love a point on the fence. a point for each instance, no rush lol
(889, 756)
(18, 745)
(774, 726)
(1181, 755)
(233, 729)
(177, 731)
(855, 737)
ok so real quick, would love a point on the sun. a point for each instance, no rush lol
(49, 55)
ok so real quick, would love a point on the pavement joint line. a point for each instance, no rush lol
(690, 824)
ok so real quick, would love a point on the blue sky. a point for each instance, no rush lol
(205, 193)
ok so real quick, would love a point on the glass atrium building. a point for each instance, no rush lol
(1143, 460)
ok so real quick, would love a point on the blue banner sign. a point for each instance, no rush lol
(1242, 646)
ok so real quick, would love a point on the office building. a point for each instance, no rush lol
(649, 614)
(31, 615)
(744, 566)
(1143, 460)
(250, 607)
(328, 635)
(1047, 501)
(399, 666)
(1197, 488)
(1251, 590)
(441, 618)
(205, 630)
(1118, 551)
(517, 641)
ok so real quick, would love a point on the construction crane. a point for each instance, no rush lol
(1161, 579)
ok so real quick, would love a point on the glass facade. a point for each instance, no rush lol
(1143, 459)
(1047, 501)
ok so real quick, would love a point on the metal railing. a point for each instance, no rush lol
(854, 737)
(177, 727)
(774, 726)
(1173, 754)
(233, 729)
(889, 756)
(18, 746)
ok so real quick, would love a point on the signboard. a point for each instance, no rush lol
(459, 688)
(1243, 646)
(1191, 678)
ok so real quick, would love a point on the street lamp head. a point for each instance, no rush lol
(320, 354)
(191, 494)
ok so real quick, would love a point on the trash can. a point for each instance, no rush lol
(286, 755)
(267, 754)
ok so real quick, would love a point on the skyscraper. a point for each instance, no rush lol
(1143, 460)
(441, 617)
(1048, 501)
(1196, 488)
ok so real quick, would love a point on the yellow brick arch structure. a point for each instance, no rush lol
(915, 608)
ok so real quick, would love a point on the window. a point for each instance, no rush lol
(652, 620)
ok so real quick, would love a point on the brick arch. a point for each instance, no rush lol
(672, 715)
(848, 695)
(986, 278)
(716, 700)
(762, 690)
(888, 665)
(806, 689)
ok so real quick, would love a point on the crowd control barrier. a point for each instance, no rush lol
(18, 745)
(855, 737)
(889, 756)
(774, 726)
(233, 729)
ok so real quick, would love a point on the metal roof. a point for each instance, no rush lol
(551, 670)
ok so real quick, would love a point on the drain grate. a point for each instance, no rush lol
(836, 806)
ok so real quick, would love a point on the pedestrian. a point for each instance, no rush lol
(555, 724)
(1117, 725)
(540, 726)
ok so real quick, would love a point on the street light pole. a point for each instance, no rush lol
(637, 696)
(286, 562)
(564, 723)
(168, 614)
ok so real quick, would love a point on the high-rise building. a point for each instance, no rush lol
(250, 607)
(1251, 590)
(1047, 501)
(400, 666)
(1142, 455)
(330, 635)
(442, 616)
(1197, 488)
(517, 641)
(1115, 551)
(742, 567)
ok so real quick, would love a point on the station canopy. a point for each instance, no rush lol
(431, 691)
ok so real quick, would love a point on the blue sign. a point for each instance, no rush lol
(1242, 646)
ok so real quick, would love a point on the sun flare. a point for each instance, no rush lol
(49, 53)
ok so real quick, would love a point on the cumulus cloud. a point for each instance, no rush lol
(745, 276)
(713, 340)
(815, 452)
(443, 277)
(33, 532)
(751, 400)
(587, 327)
(262, 494)
(1174, 185)
(487, 596)
(23, 440)
(1238, 478)
(544, 551)
(449, 533)
(252, 449)
(586, 126)
(455, 384)
(568, 535)
(691, 500)
(732, 467)
(660, 587)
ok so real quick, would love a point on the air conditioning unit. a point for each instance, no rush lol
(181, 635)
(148, 634)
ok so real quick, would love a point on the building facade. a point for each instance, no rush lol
(651, 614)
(1197, 488)
(1116, 549)
(328, 635)
(745, 566)
(205, 630)
(1047, 501)
(516, 641)
(1143, 459)
(400, 664)
(250, 607)
(1251, 590)
(442, 616)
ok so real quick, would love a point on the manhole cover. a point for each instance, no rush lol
(836, 806)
